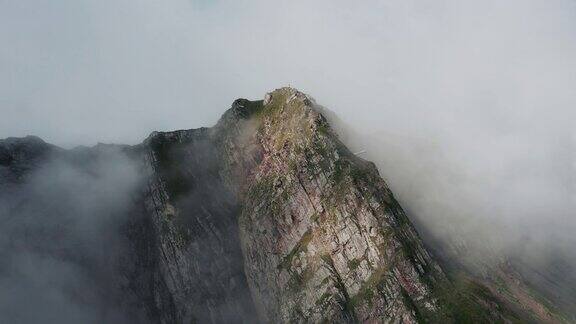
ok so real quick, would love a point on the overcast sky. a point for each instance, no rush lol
(490, 83)
(474, 101)
(84, 71)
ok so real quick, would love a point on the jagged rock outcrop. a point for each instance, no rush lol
(267, 217)
(322, 235)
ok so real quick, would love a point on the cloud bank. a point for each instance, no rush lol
(62, 242)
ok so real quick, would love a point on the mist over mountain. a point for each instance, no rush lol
(62, 238)
(464, 107)
(265, 217)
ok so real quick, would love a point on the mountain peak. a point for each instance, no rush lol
(265, 217)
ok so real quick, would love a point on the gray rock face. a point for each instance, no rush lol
(195, 222)
(265, 217)
(322, 235)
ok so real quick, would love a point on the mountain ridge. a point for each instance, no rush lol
(267, 216)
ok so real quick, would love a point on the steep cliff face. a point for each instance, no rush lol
(195, 223)
(265, 217)
(322, 235)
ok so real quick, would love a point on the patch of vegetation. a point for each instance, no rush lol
(297, 281)
(262, 190)
(275, 104)
(546, 304)
(466, 301)
(319, 147)
(353, 264)
(272, 192)
(327, 259)
(410, 251)
(369, 288)
(252, 107)
(359, 173)
(315, 217)
(323, 128)
(412, 306)
(366, 295)
(301, 246)
(325, 296)
(338, 173)
(243, 109)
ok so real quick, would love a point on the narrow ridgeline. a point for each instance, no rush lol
(265, 217)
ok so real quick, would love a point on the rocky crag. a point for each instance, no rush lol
(265, 217)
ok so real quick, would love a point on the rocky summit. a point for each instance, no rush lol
(265, 217)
